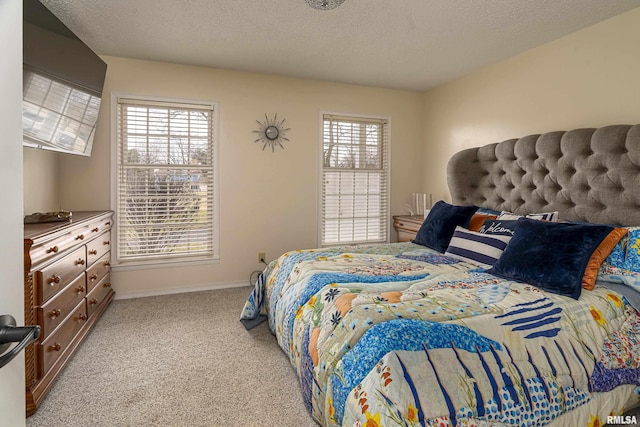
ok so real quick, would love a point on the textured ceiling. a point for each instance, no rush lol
(402, 44)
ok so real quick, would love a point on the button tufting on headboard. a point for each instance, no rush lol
(598, 168)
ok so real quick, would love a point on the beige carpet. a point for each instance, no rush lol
(176, 360)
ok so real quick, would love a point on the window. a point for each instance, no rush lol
(165, 181)
(355, 180)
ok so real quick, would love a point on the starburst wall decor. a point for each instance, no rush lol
(271, 132)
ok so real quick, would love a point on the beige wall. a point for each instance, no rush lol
(590, 78)
(40, 180)
(268, 201)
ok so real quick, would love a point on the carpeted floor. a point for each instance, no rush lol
(176, 360)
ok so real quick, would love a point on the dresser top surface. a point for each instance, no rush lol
(33, 231)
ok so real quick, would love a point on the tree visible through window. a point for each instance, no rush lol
(165, 180)
(354, 180)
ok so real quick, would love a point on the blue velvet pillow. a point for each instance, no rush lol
(551, 256)
(438, 227)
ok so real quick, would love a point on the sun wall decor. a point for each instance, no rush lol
(271, 132)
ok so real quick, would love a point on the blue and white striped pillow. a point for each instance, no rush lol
(477, 248)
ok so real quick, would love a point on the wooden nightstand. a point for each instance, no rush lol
(407, 226)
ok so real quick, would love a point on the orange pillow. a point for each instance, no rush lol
(476, 221)
(599, 255)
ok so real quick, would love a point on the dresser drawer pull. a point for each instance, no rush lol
(53, 249)
(106, 242)
(80, 261)
(93, 277)
(82, 317)
(93, 301)
(107, 263)
(55, 313)
(55, 347)
(107, 223)
(80, 289)
(80, 237)
(107, 285)
(54, 280)
(94, 230)
(93, 252)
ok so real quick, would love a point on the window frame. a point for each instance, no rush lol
(159, 262)
(387, 172)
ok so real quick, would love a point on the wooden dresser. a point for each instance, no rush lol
(66, 290)
(407, 226)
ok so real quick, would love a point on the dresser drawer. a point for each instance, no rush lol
(97, 227)
(55, 345)
(51, 279)
(48, 250)
(98, 294)
(98, 247)
(96, 272)
(58, 308)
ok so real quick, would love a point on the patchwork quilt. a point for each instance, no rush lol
(400, 335)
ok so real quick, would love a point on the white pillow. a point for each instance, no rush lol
(477, 248)
(543, 216)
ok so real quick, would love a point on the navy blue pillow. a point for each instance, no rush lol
(437, 229)
(550, 255)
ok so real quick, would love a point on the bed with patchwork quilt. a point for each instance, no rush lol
(400, 334)
(529, 317)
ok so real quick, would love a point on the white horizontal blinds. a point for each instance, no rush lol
(354, 180)
(54, 113)
(165, 180)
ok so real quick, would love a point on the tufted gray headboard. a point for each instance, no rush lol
(584, 174)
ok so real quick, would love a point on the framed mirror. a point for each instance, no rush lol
(271, 132)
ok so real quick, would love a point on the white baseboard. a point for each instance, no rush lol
(182, 290)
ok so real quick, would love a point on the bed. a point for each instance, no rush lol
(449, 332)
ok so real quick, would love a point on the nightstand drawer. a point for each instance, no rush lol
(407, 226)
(406, 236)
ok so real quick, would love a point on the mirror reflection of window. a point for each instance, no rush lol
(58, 116)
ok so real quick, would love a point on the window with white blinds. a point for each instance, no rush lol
(355, 180)
(165, 181)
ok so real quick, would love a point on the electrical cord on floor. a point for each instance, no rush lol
(253, 281)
